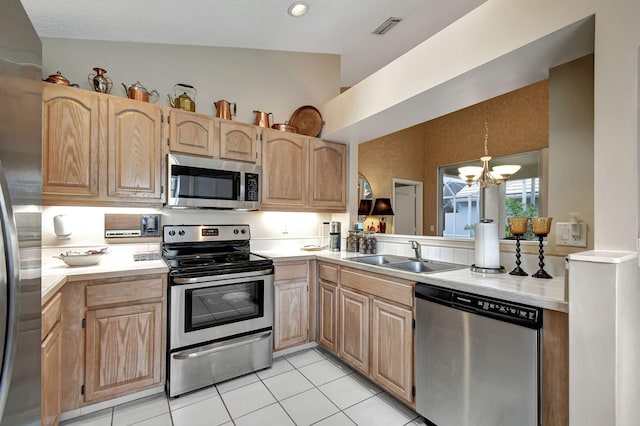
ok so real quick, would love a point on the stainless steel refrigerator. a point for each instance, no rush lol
(20, 209)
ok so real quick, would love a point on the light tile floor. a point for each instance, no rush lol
(309, 387)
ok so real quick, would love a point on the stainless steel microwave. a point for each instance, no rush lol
(195, 182)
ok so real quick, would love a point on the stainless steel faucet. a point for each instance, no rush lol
(416, 247)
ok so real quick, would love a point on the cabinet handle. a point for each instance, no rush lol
(222, 346)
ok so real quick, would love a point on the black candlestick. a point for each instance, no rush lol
(518, 270)
(541, 273)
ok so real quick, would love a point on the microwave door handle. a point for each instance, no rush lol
(9, 289)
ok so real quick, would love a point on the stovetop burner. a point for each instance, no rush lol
(192, 250)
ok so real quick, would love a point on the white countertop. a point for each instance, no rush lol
(548, 294)
(118, 262)
(542, 293)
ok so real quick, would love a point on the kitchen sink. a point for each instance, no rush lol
(407, 264)
(423, 266)
(380, 259)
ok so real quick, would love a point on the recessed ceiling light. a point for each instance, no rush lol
(298, 8)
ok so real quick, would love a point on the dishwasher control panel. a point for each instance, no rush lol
(500, 307)
(524, 315)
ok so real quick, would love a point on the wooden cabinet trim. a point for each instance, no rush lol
(555, 368)
(124, 292)
(328, 315)
(395, 289)
(51, 314)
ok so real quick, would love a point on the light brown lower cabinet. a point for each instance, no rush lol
(123, 349)
(113, 342)
(293, 305)
(392, 347)
(353, 330)
(327, 318)
(50, 362)
(291, 319)
(374, 314)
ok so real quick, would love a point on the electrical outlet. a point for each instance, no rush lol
(564, 236)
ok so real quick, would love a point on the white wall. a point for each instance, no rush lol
(270, 81)
(570, 174)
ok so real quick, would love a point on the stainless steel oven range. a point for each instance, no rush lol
(220, 305)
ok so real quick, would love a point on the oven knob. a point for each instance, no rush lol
(235, 231)
(172, 233)
(243, 231)
(181, 232)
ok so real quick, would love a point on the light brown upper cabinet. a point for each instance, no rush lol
(327, 174)
(192, 133)
(100, 149)
(198, 134)
(69, 142)
(135, 149)
(238, 141)
(302, 173)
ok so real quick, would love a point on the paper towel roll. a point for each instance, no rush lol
(487, 245)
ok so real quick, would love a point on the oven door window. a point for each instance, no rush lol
(224, 304)
(195, 182)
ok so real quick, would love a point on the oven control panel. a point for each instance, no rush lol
(203, 233)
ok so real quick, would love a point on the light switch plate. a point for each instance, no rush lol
(564, 237)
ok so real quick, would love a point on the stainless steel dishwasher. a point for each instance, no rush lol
(476, 359)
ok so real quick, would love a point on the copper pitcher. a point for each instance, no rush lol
(223, 109)
(262, 118)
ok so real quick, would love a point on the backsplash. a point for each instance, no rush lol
(270, 231)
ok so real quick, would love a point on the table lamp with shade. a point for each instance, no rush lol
(382, 207)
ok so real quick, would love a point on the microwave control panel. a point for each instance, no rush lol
(251, 185)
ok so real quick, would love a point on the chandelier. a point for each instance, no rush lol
(482, 174)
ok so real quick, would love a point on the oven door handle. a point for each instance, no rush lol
(210, 278)
(221, 346)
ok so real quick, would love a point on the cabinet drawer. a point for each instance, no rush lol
(112, 293)
(51, 314)
(328, 272)
(395, 289)
(291, 271)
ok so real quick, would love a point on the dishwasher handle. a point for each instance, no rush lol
(501, 310)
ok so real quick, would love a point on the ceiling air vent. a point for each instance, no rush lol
(386, 26)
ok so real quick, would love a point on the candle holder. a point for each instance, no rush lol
(518, 227)
(541, 227)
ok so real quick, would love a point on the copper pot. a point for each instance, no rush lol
(58, 78)
(285, 128)
(139, 93)
(262, 118)
(223, 109)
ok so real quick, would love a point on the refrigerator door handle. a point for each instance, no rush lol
(9, 288)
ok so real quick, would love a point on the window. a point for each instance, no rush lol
(459, 204)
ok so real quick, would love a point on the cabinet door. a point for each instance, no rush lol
(284, 170)
(328, 175)
(328, 318)
(238, 141)
(69, 142)
(192, 133)
(354, 329)
(123, 350)
(135, 149)
(392, 348)
(51, 379)
(291, 319)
